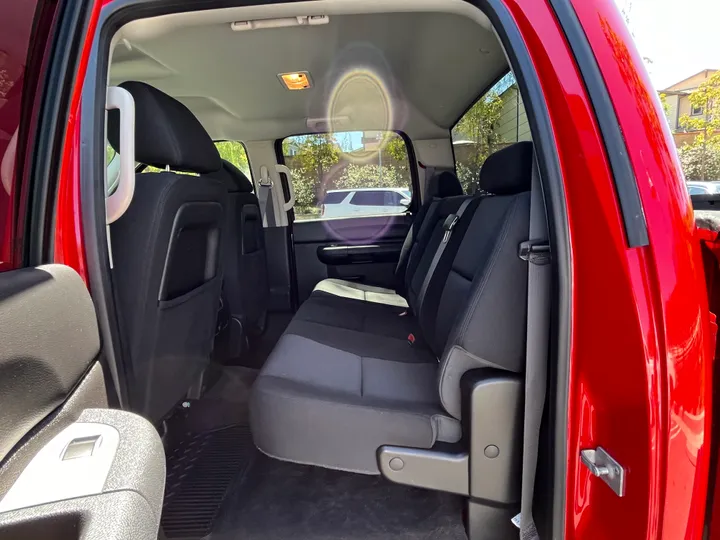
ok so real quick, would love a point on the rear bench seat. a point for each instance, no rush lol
(344, 379)
(442, 185)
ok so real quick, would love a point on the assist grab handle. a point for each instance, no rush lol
(291, 201)
(117, 203)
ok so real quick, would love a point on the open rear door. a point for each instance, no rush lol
(70, 466)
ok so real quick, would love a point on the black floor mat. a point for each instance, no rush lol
(201, 468)
(278, 500)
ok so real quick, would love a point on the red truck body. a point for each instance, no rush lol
(642, 333)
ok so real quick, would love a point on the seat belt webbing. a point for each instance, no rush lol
(265, 198)
(429, 172)
(448, 227)
(536, 251)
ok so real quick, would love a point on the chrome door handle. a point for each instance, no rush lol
(602, 465)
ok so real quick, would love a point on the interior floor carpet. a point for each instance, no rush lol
(279, 500)
(223, 405)
(201, 468)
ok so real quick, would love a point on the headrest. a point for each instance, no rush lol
(166, 132)
(444, 184)
(233, 178)
(508, 171)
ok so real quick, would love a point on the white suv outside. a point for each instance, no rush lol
(339, 203)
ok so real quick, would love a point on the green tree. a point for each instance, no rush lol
(395, 147)
(700, 155)
(369, 176)
(305, 196)
(698, 162)
(478, 126)
(234, 152)
(314, 154)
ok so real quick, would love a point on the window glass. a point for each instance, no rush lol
(368, 198)
(349, 174)
(112, 163)
(232, 151)
(335, 197)
(151, 169)
(494, 121)
(235, 153)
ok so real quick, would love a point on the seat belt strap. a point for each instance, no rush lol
(429, 173)
(265, 197)
(448, 227)
(537, 252)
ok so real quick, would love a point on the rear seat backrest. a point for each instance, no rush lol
(430, 237)
(440, 186)
(486, 278)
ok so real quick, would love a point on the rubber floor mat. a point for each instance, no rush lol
(277, 500)
(201, 469)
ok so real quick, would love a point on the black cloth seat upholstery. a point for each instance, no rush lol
(166, 250)
(245, 285)
(332, 392)
(380, 311)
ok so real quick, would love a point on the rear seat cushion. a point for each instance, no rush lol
(321, 405)
(368, 317)
(362, 343)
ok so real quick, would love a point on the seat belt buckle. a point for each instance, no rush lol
(411, 339)
(449, 224)
(535, 252)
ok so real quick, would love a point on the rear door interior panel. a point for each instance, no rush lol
(69, 466)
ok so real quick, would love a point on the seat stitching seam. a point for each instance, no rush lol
(362, 376)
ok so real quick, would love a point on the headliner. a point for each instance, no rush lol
(412, 71)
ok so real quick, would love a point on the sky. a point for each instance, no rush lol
(679, 36)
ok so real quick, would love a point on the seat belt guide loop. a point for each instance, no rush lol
(449, 225)
(535, 252)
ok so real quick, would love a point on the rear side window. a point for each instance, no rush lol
(495, 121)
(334, 197)
(235, 153)
(351, 161)
(377, 198)
(368, 198)
(232, 151)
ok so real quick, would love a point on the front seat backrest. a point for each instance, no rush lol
(245, 286)
(166, 251)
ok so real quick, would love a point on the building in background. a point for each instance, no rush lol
(678, 104)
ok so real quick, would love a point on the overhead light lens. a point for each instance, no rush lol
(299, 80)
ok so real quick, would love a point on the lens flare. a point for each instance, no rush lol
(361, 95)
